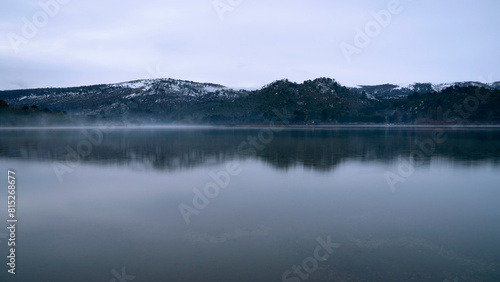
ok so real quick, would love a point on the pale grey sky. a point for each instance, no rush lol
(243, 43)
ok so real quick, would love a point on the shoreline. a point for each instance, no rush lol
(254, 126)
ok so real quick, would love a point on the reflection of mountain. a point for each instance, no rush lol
(170, 149)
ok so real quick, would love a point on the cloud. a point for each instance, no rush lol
(88, 42)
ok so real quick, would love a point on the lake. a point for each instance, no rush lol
(253, 204)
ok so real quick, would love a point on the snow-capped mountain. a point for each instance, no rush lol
(321, 99)
(119, 97)
(401, 90)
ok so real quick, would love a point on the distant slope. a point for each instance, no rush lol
(121, 98)
(385, 91)
(322, 100)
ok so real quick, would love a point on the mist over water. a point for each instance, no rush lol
(86, 210)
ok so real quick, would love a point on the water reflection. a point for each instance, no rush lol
(440, 223)
(322, 150)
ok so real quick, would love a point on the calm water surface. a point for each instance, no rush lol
(105, 206)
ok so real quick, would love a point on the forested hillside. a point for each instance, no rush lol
(319, 101)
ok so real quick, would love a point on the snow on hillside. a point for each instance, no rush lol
(186, 87)
(441, 86)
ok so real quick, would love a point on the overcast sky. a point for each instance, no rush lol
(243, 43)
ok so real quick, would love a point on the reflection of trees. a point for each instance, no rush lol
(169, 149)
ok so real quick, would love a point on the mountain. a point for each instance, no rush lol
(134, 97)
(178, 100)
(322, 100)
(385, 91)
